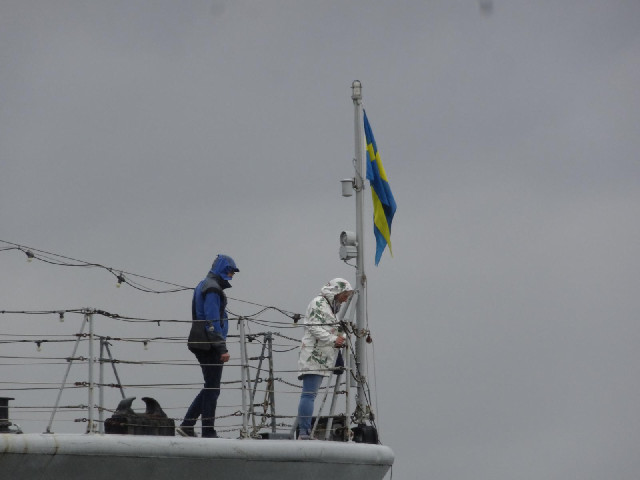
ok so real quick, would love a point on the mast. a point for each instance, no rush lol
(352, 247)
(361, 279)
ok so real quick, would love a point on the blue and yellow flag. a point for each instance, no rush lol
(384, 206)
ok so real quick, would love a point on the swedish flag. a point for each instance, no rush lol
(384, 206)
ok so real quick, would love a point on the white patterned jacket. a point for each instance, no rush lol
(317, 352)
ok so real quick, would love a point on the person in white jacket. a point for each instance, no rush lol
(320, 342)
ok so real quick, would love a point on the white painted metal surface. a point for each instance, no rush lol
(125, 457)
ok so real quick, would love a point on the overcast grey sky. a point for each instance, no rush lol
(150, 135)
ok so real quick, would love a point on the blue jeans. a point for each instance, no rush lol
(310, 386)
(207, 399)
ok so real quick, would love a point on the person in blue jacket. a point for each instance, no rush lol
(207, 341)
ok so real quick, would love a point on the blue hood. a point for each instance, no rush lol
(223, 265)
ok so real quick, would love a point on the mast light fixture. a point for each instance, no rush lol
(348, 245)
(347, 186)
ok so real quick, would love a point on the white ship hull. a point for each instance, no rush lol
(125, 457)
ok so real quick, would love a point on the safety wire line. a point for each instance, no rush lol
(126, 318)
(41, 342)
(130, 319)
(23, 340)
(22, 364)
(294, 316)
(19, 357)
(10, 335)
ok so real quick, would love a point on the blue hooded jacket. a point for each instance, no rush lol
(209, 328)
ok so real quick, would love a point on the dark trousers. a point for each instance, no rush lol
(206, 401)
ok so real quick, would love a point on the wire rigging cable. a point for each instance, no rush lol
(64, 261)
(124, 276)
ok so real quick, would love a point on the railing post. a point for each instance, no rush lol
(271, 383)
(244, 370)
(90, 425)
(348, 364)
(101, 388)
